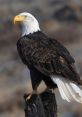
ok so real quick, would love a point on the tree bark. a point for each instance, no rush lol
(43, 105)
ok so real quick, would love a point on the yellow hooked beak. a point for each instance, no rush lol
(18, 18)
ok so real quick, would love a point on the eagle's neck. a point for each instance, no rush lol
(29, 28)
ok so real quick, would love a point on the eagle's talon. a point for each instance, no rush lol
(30, 95)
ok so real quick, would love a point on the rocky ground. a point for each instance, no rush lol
(60, 19)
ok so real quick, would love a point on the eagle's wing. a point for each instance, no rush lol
(62, 51)
(49, 57)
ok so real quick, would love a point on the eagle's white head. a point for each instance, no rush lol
(28, 22)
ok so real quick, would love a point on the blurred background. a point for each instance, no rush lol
(61, 19)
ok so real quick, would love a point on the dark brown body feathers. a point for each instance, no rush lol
(44, 57)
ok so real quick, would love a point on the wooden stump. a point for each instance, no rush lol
(49, 103)
(43, 105)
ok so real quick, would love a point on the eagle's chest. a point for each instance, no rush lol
(27, 49)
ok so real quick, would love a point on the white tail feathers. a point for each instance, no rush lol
(68, 90)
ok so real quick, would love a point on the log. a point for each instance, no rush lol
(49, 103)
(43, 105)
(34, 107)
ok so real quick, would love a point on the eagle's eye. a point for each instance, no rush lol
(25, 16)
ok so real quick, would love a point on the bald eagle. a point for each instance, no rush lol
(47, 60)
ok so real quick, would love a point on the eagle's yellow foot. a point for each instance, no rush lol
(30, 95)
